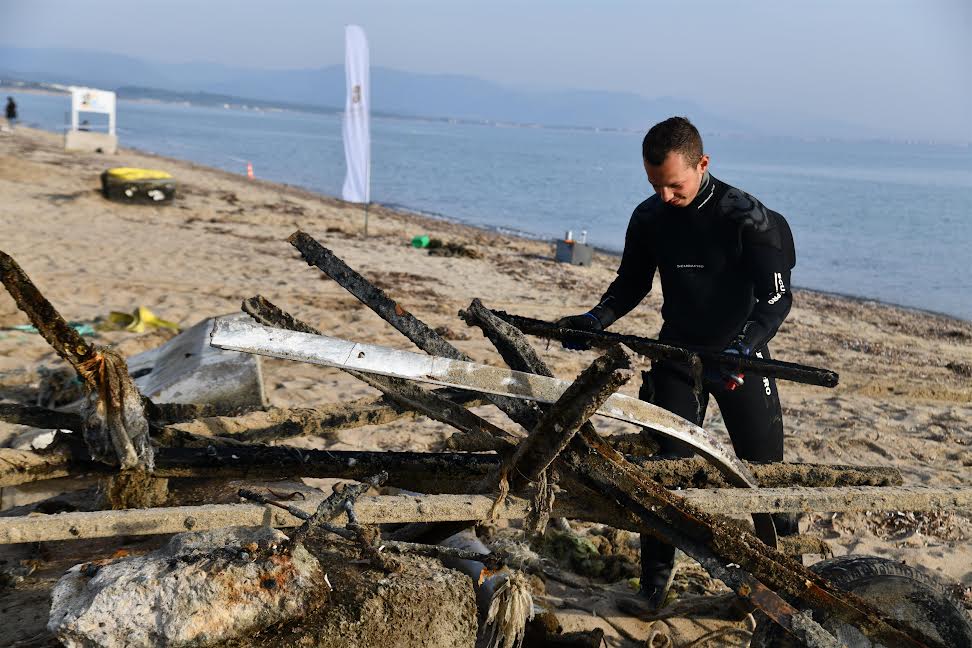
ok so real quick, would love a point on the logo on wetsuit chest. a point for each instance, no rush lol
(690, 266)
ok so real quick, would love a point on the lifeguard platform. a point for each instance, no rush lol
(84, 139)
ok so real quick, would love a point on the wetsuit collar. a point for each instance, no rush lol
(706, 190)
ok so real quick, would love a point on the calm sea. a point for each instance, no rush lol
(891, 222)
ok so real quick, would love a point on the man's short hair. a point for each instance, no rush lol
(674, 134)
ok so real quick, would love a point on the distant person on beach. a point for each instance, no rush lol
(724, 261)
(11, 112)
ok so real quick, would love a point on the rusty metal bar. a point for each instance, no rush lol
(661, 351)
(388, 309)
(39, 417)
(116, 429)
(696, 472)
(427, 472)
(707, 540)
(565, 417)
(334, 504)
(67, 342)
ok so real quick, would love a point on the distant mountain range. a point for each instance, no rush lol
(394, 92)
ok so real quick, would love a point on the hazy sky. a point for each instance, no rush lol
(902, 66)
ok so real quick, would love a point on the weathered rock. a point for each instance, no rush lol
(424, 606)
(200, 589)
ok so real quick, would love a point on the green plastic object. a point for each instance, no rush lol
(82, 328)
(421, 241)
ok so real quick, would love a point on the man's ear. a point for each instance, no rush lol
(703, 163)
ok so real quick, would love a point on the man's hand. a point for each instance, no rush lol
(729, 378)
(734, 380)
(584, 322)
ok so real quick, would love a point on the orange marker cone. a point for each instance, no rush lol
(249, 170)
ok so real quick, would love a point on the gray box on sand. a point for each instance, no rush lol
(574, 253)
(186, 369)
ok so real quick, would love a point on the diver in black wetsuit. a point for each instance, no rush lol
(724, 262)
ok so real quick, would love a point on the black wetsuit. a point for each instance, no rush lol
(724, 262)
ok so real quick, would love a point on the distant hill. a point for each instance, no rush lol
(393, 92)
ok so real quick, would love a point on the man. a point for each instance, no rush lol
(724, 262)
(11, 112)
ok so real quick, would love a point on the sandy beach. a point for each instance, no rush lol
(904, 398)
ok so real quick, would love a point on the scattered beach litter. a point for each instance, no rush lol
(138, 321)
(438, 247)
(138, 186)
(83, 328)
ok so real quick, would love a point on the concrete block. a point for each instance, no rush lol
(186, 369)
(91, 142)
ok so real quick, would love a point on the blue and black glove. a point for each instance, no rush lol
(584, 322)
(731, 379)
(736, 379)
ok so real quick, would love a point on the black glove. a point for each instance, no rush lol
(585, 322)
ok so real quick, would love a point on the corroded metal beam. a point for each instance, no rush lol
(565, 417)
(115, 425)
(67, 342)
(657, 350)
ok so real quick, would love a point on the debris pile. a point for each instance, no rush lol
(231, 587)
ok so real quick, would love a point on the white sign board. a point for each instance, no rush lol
(92, 100)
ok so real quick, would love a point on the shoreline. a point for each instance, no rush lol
(924, 291)
(418, 215)
(405, 211)
(402, 211)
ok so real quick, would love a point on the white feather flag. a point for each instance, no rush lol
(357, 131)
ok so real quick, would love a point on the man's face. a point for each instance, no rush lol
(675, 180)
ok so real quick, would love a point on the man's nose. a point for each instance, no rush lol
(666, 194)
